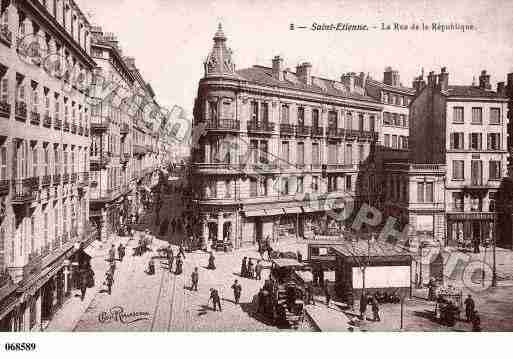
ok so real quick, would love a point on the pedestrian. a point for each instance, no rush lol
(476, 322)
(211, 261)
(170, 260)
(363, 307)
(250, 269)
(83, 284)
(244, 267)
(181, 251)
(309, 295)
(109, 281)
(121, 252)
(112, 267)
(469, 307)
(179, 264)
(237, 289)
(216, 300)
(375, 309)
(151, 267)
(258, 270)
(112, 253)
(195, 279)
(299, 256)
(327, 293)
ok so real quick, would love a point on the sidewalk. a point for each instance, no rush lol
(67, 317)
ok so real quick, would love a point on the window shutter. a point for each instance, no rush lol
(452, 140)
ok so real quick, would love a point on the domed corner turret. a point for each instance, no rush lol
(219, 61)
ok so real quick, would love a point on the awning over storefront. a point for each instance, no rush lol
(257, 213)
(274, 212)
(292, 210)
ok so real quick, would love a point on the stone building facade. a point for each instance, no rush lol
(279, 149)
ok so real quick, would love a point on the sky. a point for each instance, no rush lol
(170, 39)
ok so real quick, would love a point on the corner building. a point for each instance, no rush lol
(278, 148)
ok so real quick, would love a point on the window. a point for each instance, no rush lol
(385, 97)
(299, 185)
(348, 182)
(301, 153)
(315, 183)
(386, 118)
(361, 153)
(361, 121)
(396, 119)
(212, 107)
(495, 116)
(429, 192)
(262, 186)
(332, 153)
(457, 199)
(457, 142)
(348, 158)
(457, 115)
(332, 119)
(477, 115)
(3, 163)
(228, 189)
(284, 114)
(65, 162)
(420, 192)
(264, 112)
(476, 141)
(491, 196)
(494, 170)
(45, 228)
(387, 140)
(458, 170)
(315, 154)
(285, 185)
(254, 112)
(32, 234)
(372, 123)
(494, 141)
(285, 151)
(263, 151)
(476, 204)
(349, 121)
(315, 118)
(34, 162)
(253, 149)
(4, 87)
(476, 172)
(301, 117)
(394, 141)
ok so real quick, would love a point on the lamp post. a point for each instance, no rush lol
(494, 268)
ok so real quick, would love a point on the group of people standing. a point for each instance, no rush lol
(249, 270)
(109, 274)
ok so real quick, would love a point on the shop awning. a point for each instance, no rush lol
(256, 213)
(292, 210)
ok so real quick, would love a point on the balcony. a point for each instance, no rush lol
(80, 131)
(24, 190)
(65, 178)
(46, 180)
(56, 179)
(74, 177)
(99, 124)
(73, 128)
(286, 129)
(369, 135)
(317, 131)
(5, 35)
(4, 187)
(57, 123)
(303, 130)
(340, 166)
(47, 121)
(223, 124)
(35, 118)
(139, 150)
(5, 109)
(66, 126)
(262, 127)
(334, 132)
(21, 111)
(124, 129)
(99, 161)
(56, 243)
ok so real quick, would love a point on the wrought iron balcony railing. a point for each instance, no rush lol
(286, 129)
(57, 123)
(24, 190)
(47, 121)
(223, 124)
(66, 126)
(260, 127)
(46, 180)
(35, 118)
(5, 34)
(21, 110)
(5, 109)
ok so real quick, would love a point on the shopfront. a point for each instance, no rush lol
(469, 229)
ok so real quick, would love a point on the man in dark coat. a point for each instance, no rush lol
(112, 253)
(211, 261)
(195, 279)
(83, 284)
(375, 309)
(476, 322)
(244, 267)
(237, 289)
(181, 251)
(469, 307)
(121, 252)
(363, 307)
(179, 263)
(216, 300)
(109, 280)
(258, 270)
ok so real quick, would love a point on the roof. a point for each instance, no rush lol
(362, 249)
(471, 91)
(263, 75)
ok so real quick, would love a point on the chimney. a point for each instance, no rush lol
(501, 89)
(418, 83)
(278, 68)
(484, 81)
(348, 81)
(443, 79)
(304, 73)
(391, 77)
(431, 79)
